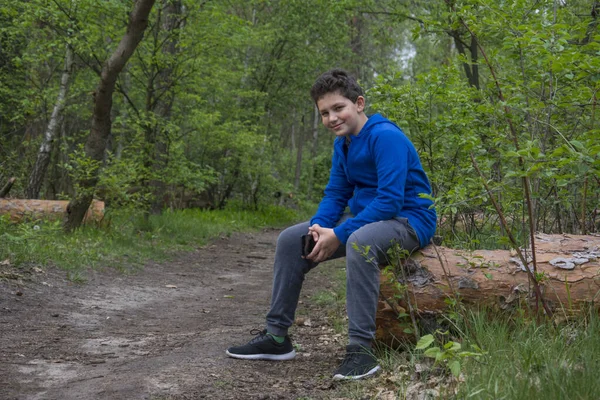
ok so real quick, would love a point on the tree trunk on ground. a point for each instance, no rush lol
(101, 123)
(43, 159)
(19, 209)
(492, 278)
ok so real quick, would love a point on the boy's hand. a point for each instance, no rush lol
(327, 243)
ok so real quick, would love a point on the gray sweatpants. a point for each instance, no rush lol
(362, 274)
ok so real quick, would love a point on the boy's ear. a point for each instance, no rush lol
(360, 103)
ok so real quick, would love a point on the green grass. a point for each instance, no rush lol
(529, 360)
(126, 239)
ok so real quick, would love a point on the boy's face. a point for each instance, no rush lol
(340, 115)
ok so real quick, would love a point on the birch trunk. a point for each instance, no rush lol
(43, 158)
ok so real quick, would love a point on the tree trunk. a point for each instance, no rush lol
(163, 103)
(46, 209)
(492, 278)
(471, 68)
(43, 159)
(591, 28)
(313, 151)
(299, 148)
(101, 123)
(6, 188)
(357, 26)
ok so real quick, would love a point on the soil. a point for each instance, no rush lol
(160, 332)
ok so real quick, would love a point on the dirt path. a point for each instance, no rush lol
(160, 332)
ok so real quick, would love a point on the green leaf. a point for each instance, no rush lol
(424, 342)
(452, 346)
(432, 352)
(454, 366)
(578, 145)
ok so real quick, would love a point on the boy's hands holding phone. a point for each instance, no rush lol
(325, 243)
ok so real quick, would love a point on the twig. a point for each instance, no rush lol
(411, 309)
(446, 274)
(536, 286)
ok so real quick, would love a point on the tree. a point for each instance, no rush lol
(101, 124)
(43, 159)
(531, 118)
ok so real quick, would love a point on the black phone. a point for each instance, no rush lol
(308, 244)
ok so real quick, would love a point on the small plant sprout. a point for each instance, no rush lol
(450, 355)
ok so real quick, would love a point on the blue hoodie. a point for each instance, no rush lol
(380, 178)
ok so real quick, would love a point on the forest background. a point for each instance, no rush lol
(213, 106)
(212, 129)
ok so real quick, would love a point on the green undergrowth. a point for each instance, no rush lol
(488, 237)
(517, 360)
(125, 239)
(478, 354)
(490, 355)
(530, 360)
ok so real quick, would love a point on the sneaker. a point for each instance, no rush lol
(263, 347)
(358, 363)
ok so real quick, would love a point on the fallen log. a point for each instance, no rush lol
(20, 209)
(570, 280)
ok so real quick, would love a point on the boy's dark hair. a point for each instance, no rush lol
(336, 81)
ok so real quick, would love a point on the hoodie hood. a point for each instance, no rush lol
(372, 122)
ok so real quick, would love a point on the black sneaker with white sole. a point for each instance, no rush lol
(263, 347)
(359, 362)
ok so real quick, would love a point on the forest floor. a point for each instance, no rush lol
(160, 331)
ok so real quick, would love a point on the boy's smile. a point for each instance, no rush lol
(340, 115)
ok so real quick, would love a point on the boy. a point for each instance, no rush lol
(377, 173)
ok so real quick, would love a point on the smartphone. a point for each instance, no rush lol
(308, 244)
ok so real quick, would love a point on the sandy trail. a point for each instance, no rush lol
(160, 332)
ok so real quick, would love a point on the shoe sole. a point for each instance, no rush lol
(340, 377)
(271, 357)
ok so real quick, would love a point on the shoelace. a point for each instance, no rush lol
(350, 358)
(259, 335)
